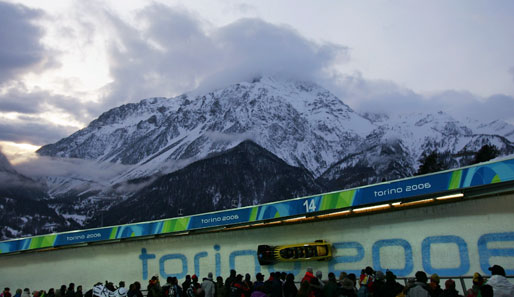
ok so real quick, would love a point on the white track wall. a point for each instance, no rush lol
(450, 239)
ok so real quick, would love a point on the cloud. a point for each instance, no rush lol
(378, 96)
(511, 72)
(41, 117)
(172, 51)
(5, 165)
(87, 170)
(33, 130)
(21, 49)
(167, 51)
(234, 138)
(18, 98)
(464, 104)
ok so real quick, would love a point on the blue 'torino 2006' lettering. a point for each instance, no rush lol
(356, 251)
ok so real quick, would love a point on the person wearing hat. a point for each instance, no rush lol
(478, 281)
(154, 287)
(435, 288)
(501, 286)
(208, 286)
(420, 288)
(197, 288)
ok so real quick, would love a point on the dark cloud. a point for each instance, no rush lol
(22, 101)
(20, 48)
(32, 102)
(511, 71)
(35, 130)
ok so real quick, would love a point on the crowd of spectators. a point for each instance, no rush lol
(370, 283)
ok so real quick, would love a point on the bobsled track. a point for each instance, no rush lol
(452, 223)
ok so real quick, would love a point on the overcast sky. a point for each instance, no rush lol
(63, 63)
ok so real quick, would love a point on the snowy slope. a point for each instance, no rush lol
(492, 128)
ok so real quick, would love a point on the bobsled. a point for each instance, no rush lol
(319, 250)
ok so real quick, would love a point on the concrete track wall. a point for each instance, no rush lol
(449, 239)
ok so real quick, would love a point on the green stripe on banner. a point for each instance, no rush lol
(337, 200)
(175, 225)
(496, 179)
(455, 180)
(42, 241)
(113, 233)
(253, 214)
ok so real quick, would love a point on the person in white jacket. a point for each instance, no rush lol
(501, 286)
(208, 285)
(26, 293)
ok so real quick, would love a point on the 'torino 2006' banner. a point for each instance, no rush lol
(478, 175)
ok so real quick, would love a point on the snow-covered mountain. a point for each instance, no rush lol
(301, 123)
